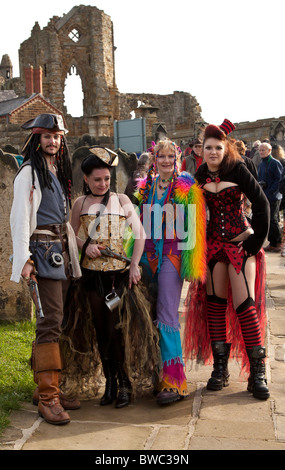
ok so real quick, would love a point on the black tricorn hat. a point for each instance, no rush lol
(46, 121)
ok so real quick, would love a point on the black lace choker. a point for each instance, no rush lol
(99, 195)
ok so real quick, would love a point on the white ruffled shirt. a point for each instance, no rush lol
(23, 222)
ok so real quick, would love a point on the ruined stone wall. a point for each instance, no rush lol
(179, 111)
(82, 41)
(250, 132)
(258, 130)
(76, 126)
(12, 134)
(15, 302)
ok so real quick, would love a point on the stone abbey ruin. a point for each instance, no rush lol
(82, 41)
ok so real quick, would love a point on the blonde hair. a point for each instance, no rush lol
(241, 148)
(164, 144)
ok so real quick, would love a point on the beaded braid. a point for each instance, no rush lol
(149, 179)
(170, 195)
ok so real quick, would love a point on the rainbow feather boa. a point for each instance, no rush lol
(193, 260)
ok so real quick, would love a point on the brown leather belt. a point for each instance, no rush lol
(42, 237)
(57, 229)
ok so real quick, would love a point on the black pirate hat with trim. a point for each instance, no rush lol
(43, 122)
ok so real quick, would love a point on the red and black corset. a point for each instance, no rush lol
(227, 219)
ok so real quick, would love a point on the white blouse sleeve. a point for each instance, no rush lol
(23, 218)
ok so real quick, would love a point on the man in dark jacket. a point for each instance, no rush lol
(269, 174)
(192, 162)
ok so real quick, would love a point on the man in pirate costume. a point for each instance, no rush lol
(44, 244)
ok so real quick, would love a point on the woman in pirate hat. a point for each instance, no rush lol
(111, 282)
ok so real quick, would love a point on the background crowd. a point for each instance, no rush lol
(265, 160)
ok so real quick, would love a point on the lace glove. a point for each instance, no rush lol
(252, 245)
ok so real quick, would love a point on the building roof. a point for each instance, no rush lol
(8, 107)
(7, 95)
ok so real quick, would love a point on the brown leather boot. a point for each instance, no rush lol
(67, 403)
(47, 367)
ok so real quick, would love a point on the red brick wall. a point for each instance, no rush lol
(31, 110)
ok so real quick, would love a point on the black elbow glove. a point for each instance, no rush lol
(252, 245)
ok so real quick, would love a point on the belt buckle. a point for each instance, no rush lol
(56, 228)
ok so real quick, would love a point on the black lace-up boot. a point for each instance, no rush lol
(220, 375)
(111, 387)
(124, 393)
(257, 383)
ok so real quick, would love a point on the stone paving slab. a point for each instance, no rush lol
(234, 414)
(230, 419)
(88, 436)
(219, 443)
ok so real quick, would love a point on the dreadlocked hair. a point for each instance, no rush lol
(34, 154)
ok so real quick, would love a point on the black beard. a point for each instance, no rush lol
(51, 153)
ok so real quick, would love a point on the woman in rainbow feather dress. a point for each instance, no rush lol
(173, 214)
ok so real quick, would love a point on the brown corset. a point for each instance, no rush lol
(109, 233)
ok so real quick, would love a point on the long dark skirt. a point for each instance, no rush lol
(91, 332)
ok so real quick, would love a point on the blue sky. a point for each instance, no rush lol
(228, 54)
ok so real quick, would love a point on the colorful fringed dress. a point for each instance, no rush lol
(175, 250)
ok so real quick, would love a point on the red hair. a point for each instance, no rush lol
(231, 155)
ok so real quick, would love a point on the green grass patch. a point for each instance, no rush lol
(16, 377)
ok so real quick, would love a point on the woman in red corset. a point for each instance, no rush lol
(229, 315)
